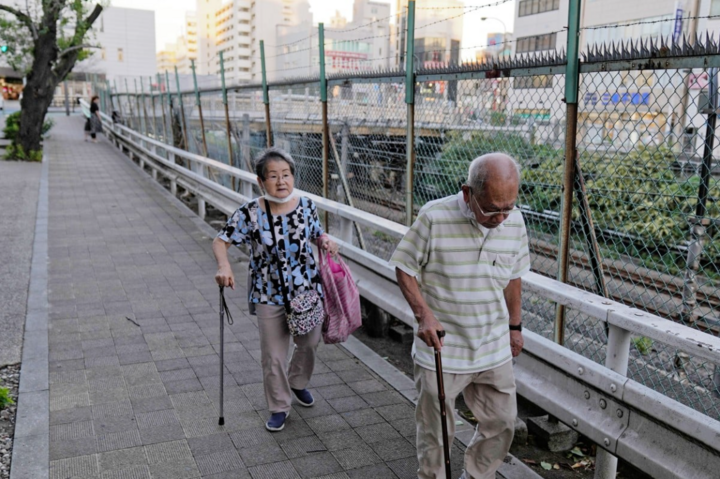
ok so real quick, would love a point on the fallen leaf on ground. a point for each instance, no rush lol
(546, 465)
(529, 461)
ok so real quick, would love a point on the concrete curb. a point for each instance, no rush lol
(31, 444)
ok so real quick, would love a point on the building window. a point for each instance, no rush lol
(532, 7)
(120, 55)
(715, 7)
(538, 81)
(536, 43)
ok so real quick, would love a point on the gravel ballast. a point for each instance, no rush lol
(9, 378)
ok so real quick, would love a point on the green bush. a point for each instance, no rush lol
(11, 131)
(5, 399)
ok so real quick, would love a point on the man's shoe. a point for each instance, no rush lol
(304, 397)
(276, 421)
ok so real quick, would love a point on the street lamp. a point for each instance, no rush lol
(482, 19)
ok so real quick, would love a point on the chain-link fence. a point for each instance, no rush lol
(646, 202)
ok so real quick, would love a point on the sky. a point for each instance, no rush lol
(170, 16)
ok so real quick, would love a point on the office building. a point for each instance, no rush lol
(363, 44)
(437, 42)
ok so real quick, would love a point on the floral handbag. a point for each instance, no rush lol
(305, 312)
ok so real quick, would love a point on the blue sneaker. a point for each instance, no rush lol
(304, 397)
(276, 421)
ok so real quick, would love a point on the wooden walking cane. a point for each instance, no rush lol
(443, 412)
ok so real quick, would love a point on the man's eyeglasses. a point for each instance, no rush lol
(490, 213)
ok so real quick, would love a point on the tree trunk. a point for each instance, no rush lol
(38, 92)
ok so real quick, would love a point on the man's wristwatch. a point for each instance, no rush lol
(515, 327)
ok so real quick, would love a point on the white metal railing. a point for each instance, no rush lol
(650, 430)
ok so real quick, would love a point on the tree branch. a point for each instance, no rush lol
(77, 47)
(22, 18)
(70, 54)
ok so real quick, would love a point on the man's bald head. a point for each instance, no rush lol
(492, 167)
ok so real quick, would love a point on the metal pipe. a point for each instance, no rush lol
(162, 107)
(345, 185)
(127, 96)
(325, 128)
(572, 79)
(228, 128)
(182, 111)
(67, 98)
(699, 224)
(266, 97)
(589, 232)
(122, 115)
(199, 106)
(142, 127)
(410, 100)
(154, 114)
(144, 104)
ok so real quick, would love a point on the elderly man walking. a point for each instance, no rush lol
(459, 267)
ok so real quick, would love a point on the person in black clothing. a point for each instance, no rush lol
(93, 125)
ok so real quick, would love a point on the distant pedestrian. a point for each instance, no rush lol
(282, 268)
(459, 268)
(93, 123)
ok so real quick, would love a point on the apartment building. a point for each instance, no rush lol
(127, 40)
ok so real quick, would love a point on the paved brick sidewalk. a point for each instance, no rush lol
(139, 401)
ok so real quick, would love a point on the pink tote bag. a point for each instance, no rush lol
(342, 300)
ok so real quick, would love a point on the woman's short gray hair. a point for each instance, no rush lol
(479, 168)
(272, 154)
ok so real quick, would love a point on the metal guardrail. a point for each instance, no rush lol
(657, 434)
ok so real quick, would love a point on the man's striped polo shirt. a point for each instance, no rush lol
(462, 269)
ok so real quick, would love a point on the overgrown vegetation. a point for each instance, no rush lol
(5, 399)
(11, 132)
(635, 196)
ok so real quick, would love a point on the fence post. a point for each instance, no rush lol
(572, 77)
(245, 187)
(162, 107)
(199, 106)
(144, 104)
(67, 98)
(171, 116)
(266, 97)
(228, 128)
(129, 101)
(142, 126)
(183, 126)
(325, 126)
(618, 353)
(154, 114)
(119, 100)
(410, 100)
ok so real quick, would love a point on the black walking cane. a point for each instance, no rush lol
(443, 412)
(223, 311)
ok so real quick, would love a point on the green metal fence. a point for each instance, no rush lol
(643, 223)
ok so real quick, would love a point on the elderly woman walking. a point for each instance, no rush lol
(282, 268)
